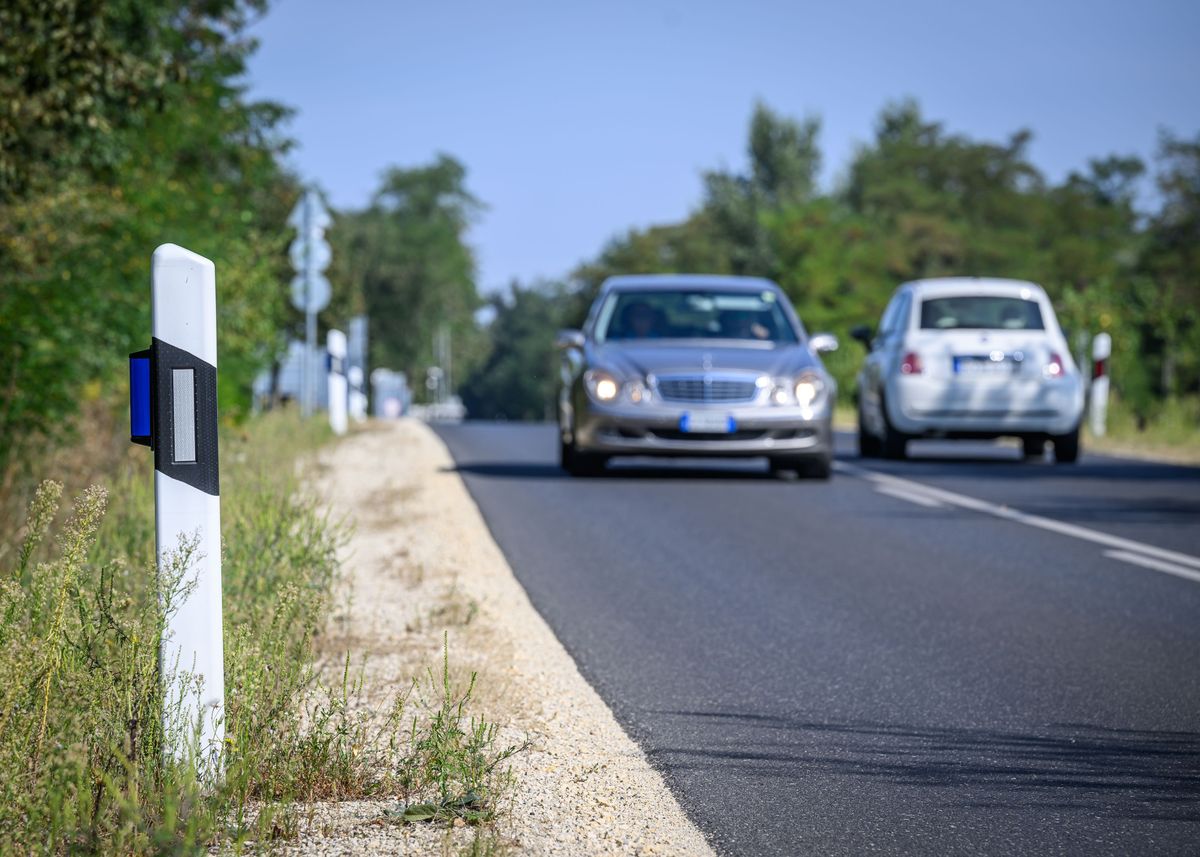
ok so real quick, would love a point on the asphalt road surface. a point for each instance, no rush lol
(958, 654)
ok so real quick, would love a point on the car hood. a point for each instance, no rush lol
(669, 358)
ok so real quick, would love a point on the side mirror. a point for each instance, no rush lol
(863, 334)
(823, 342)
(569, 339)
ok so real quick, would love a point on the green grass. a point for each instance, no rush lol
(81, 617)
(1170, 430)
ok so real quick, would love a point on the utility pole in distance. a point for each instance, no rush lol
(173, 409)
(310, 255)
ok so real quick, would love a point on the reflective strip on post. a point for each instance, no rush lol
(188, 505)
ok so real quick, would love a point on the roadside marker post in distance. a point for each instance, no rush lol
(1098, 395)
(173, 410)
(335, 345)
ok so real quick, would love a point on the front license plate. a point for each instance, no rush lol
(703, 422)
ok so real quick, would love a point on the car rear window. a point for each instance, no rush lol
(980, 312)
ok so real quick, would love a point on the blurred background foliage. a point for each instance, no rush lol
(125, 125)
(1116, 244)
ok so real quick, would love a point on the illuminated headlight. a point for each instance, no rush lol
(809, 390)
(602, 386)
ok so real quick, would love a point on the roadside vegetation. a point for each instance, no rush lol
(1171, 433)
(81, 615)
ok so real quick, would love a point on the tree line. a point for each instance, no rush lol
(126, 125)
(916, 201)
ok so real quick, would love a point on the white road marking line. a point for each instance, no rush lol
(1010, 514)
(900, 494)
(1157, 565)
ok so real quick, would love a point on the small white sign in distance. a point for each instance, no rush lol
(318, 294)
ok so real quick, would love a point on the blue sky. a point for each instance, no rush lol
(578, 120)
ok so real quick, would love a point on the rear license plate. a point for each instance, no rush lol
(982, 367)
(704, 422)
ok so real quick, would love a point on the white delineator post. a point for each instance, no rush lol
(188, 502)
(335, 344)
(1098, 397)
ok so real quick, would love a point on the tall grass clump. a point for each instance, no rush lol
(82, 613)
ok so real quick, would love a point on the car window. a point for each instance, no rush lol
(693, 314)
(888, 323)
(980, 312)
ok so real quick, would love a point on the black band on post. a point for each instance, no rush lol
(189, 457)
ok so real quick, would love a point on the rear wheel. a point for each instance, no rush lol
(1033, 447)
(895, 443)
(868, 444)
(1066, 447)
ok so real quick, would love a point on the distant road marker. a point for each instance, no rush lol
(919, 499)
(1127, 550)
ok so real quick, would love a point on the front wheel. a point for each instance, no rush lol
(578, 463)
(806, 467)
(1066, 447)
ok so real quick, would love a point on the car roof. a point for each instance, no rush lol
(974, 285)
(699, 282)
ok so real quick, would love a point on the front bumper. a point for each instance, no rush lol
(655, 430)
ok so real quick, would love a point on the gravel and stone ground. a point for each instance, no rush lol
(421, 563)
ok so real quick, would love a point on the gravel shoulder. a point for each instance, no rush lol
(421, 563)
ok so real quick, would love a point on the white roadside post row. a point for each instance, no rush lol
(173, 409)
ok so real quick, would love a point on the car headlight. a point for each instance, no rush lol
(809, 390)
(602, 386)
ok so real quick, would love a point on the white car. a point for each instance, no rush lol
(968, 357)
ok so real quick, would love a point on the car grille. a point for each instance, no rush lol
(740, 434)
(702, 388)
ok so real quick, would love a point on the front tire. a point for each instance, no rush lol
(806, 467)
(1066, 447)
(579, 464)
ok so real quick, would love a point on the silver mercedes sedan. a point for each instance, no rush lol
(695, 366)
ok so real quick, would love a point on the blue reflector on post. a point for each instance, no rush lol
(139, 397)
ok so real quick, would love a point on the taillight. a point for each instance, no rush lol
(911, 365)
(1054, 367)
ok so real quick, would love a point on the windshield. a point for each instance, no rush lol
(740, 315)
(980, 312)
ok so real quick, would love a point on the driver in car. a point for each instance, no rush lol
(641, 321)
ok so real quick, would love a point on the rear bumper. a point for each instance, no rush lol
(655, 430)
(924, 406)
